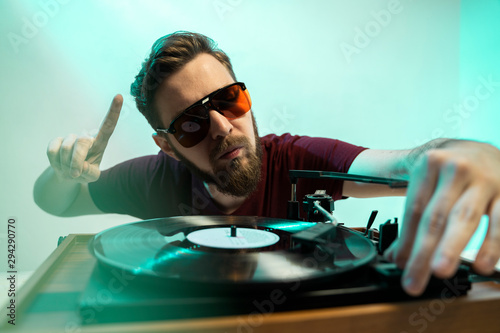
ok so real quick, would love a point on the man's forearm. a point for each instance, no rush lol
(416, 153)
(387, 163)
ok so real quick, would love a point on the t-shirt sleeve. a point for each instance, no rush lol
(321, 154)
(329, 154)
(145, 187)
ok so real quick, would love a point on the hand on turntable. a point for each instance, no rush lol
(78, 158)
(450, 189)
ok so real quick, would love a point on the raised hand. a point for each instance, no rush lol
(451, 188)
(78, 158)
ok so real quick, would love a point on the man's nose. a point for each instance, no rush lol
(220, 126)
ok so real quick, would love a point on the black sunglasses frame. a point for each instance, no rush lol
(206, 102)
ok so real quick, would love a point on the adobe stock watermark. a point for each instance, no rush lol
(117, 283)
(363, 36)
(277, 297)
(30, 26)
(455, 115)
(223, 7)
(425, 315)
(128, 108)
(199, 200)
(470, 103)
(278, 122)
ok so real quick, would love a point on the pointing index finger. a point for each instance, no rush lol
(108, 124)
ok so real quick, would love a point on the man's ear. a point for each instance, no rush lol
(164, 146)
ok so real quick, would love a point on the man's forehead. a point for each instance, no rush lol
(198, 78)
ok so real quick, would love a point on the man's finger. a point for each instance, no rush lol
(108, 125)
(53, 153)
(418, 267)
(420, 190)
(489, 253)
(90, 172)
(450, 187)
(66, 152)
(463, 220)
(80, 151)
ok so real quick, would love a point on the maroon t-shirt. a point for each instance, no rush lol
(159, 186)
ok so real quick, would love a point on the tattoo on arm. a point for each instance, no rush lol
(417, 152)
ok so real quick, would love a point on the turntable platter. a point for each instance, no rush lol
(172, 249)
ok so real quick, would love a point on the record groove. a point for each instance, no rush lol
(160, 249)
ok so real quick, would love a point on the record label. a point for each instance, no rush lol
(221, 238)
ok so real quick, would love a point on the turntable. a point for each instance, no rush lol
(245, 274)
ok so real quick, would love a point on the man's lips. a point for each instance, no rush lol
(230, 153)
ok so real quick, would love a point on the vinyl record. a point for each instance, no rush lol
(229, 251)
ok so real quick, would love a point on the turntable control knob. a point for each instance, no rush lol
(233, 231)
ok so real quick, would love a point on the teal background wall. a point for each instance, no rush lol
(378, 73)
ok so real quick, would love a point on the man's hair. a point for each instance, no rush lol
(168, 55)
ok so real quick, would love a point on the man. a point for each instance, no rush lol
(213, 162)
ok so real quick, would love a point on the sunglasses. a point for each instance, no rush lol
(192, 125)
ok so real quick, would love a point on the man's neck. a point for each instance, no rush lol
(227, 204)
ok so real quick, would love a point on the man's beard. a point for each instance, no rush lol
(236, 178)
